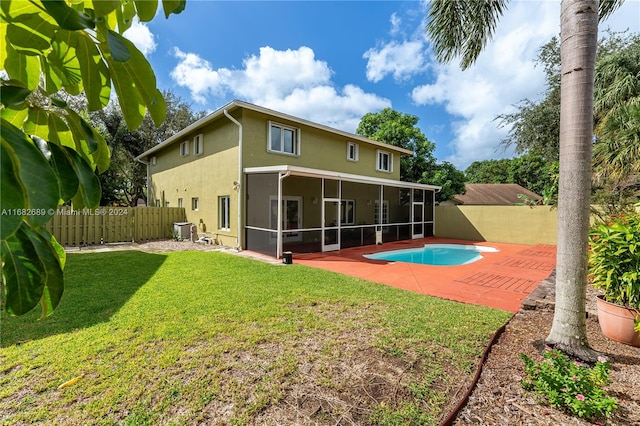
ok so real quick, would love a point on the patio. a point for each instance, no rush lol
(500, 280)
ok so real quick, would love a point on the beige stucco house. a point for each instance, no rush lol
(261, 180)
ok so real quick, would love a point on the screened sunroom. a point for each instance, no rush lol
(305, 210)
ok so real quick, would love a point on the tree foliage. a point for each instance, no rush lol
(400, 129)
(448, 177)
(125, 180)
(49, 151)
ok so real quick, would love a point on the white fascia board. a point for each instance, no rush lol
(317, 173)
(241, 104)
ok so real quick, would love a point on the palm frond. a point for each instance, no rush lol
(607, 7)
(462, 28)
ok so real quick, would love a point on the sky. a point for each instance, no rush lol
(332, 62)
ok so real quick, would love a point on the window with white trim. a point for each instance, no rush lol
(224, 217)
(184, 148)
(198, 144)
(347, 212)
(283, 139)
(291, 216)
(195, 204)
(180, 202)
(153, 161)
(352, 151)
(384, 161)
(384, 212)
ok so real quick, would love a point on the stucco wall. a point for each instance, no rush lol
(502, 224)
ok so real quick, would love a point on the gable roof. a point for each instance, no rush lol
(494, 194)
(235, 104)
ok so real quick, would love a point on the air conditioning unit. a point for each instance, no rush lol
(182, 230)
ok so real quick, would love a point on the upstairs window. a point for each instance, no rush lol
(195, 204)
(352, 151)
(184, 149)
(384, 161)
(198, 144)
(153, 161)
(180, 203)
(283, 139)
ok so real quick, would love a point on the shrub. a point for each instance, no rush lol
(614, 259)
(570, 385)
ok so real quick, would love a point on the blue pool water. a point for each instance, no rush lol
(435, 254)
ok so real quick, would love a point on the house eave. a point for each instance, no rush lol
(317, 173)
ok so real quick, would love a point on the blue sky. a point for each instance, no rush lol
(334, 61)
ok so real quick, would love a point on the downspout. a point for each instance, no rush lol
(281, 177)
(240, 186)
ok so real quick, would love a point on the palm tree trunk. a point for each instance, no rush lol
(579, 34)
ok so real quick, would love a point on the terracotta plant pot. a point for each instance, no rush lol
(616, 322)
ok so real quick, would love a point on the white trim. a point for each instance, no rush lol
(195, 204)
(224, 213)
(198, 144)
(356, 152)
(305, 171)
(184, 148)
(283, 127)
(379, 154)
(281, 116)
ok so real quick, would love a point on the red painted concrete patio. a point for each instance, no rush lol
(500, 280)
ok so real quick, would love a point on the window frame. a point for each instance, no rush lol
(153, 160)
(180, 202)
(283, 127)
(344, 217)
(379, 155)
(224, 213)
(195, 204)
(198, 144)
(356, 151)
(184, 148)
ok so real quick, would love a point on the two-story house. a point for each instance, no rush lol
(265, 181)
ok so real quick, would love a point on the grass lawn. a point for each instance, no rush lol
(213, 338)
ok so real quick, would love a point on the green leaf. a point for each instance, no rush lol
(59, 131)
(158, 109)
(37, 123)
(94, 71)
(54, 282)
(173, 6)
(125, 15)
(118, 47)
(89, 191)
(37, 177)
(12, 195)
(30, 34)
(67, 17)
(105, 7)
(23, 68)
(63, 166)
(146, 9)
(136, 77)
(64, 62)
(15, 116)
(22, 272)
(13, 94)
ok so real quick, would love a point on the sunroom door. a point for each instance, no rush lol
(331, 224)
(418, 221)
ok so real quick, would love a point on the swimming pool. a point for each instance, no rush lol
(435, 254)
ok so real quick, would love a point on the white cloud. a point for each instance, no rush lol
(290, 81)
(396, 23)
(141, 36)
(504, 74)
(402, 60)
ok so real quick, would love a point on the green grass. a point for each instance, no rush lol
(189, 337)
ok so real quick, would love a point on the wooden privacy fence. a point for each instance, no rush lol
(113, 224)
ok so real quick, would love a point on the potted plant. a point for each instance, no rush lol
(614, 268)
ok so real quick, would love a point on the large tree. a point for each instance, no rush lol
(124, 182)
(400, 129)
(49, 151)
(462, 29)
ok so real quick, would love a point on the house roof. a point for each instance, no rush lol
(494, 194)
(235, 104)
(305, 171)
